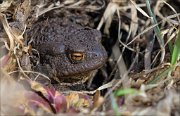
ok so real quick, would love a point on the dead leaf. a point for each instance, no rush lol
(97, 100)
(77, 100)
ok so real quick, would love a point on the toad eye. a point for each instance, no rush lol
(77, 56)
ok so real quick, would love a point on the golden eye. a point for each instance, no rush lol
(76, 56)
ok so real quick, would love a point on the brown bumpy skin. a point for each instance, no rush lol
(71, 52)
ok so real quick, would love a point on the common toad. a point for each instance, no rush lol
(69, 52)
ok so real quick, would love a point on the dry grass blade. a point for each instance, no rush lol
(105, 86)
(97, 100)
(171, 34)
(9, 33)
(134, 22)
(157, 31)
(172, 10)
(33, 72)
(139, 9)
(141, 33)
(157, 9)
(5, 5)
(12, 36)
(151, 27)
(76, 4)
(41, 10)
(107, 16)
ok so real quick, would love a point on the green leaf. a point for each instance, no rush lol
(126, 91)
(114, 105)
(176, 50)
(170, 45)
